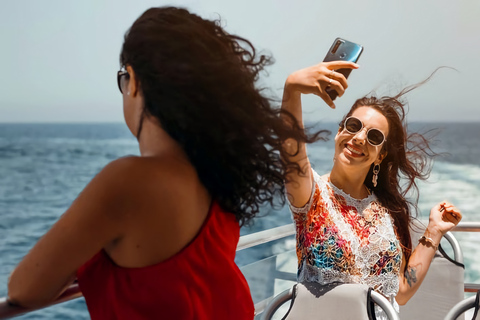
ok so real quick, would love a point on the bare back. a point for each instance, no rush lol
(169, 205)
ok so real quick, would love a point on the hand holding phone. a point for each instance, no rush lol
(342, 50)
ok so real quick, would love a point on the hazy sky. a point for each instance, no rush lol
(60, 57)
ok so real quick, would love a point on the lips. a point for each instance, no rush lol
(353, 150)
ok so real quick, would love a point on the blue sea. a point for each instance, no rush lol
(43, 167)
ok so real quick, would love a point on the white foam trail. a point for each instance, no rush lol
(460, 185)
(456, 183)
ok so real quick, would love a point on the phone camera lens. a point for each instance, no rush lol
(343, 55)
(337, 44)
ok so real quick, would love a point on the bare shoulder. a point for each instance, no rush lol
(133, 180)
(124, 171)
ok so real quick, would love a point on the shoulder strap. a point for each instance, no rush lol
(445, 255)
(370, 305)
(292, 301)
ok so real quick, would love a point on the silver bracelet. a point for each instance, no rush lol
(426, 239)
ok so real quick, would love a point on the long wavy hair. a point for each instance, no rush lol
(199, 82)
(408, 158)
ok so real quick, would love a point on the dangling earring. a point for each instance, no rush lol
(376, 170)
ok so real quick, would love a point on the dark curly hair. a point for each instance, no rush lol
(199, 82)
(408, 158)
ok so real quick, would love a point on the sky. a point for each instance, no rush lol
(60, 57)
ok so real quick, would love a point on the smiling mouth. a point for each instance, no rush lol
(353, 150)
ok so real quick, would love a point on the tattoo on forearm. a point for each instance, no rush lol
(411, 276)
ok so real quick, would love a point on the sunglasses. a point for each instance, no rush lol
(120, 76)
(374, 136)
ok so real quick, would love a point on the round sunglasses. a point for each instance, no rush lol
(122, 72)
(374, 136)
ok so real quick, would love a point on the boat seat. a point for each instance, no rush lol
(443, 286)
(308, 302)
(464, 305)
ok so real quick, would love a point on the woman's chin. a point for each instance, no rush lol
(347, 159)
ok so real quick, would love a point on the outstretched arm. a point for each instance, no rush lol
(443, 217)
(95, 219)
(311, 80)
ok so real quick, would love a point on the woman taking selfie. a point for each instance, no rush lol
(154, 236)
(353, 223)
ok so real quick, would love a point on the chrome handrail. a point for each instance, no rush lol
(467, 226)
(261, 237)
(255, 239)
(471, 287)
(460, 308)
(287, 295)
(276, 303)
(457, 251)
(247, 241)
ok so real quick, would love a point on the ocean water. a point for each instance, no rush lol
(43, 167)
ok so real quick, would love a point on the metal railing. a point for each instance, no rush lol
(261, 237)
(287, 295)
(7, 310)
(460, 308)
(258, 238)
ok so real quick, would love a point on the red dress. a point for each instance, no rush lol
(202, 281)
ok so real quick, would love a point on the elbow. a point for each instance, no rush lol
(20, 295)
(28, 293)
(402, 298)
(401, 302)
(26, 300)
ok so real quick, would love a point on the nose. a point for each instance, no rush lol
(361, 136)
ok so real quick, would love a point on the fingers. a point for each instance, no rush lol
(335, 80)
(337, 86)
(316, 79)
(447, 206)
(322, 94)
(444, 216)
(328, 100)
(337, 76)
(452, 217)
(455, 214)
(450, 212)
(325, 82)
(339, 64)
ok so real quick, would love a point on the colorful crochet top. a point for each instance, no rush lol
(342, 239)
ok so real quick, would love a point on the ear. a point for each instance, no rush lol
(381, 156)
(133, 84)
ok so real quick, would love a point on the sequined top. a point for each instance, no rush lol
(343, 239)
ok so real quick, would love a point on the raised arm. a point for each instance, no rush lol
(311, 80)
(443, 217)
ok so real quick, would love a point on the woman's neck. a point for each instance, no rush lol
(154, 141)
(350, 182)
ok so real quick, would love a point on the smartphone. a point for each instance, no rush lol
(342, 49)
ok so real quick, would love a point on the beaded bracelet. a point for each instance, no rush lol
(429, 240)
